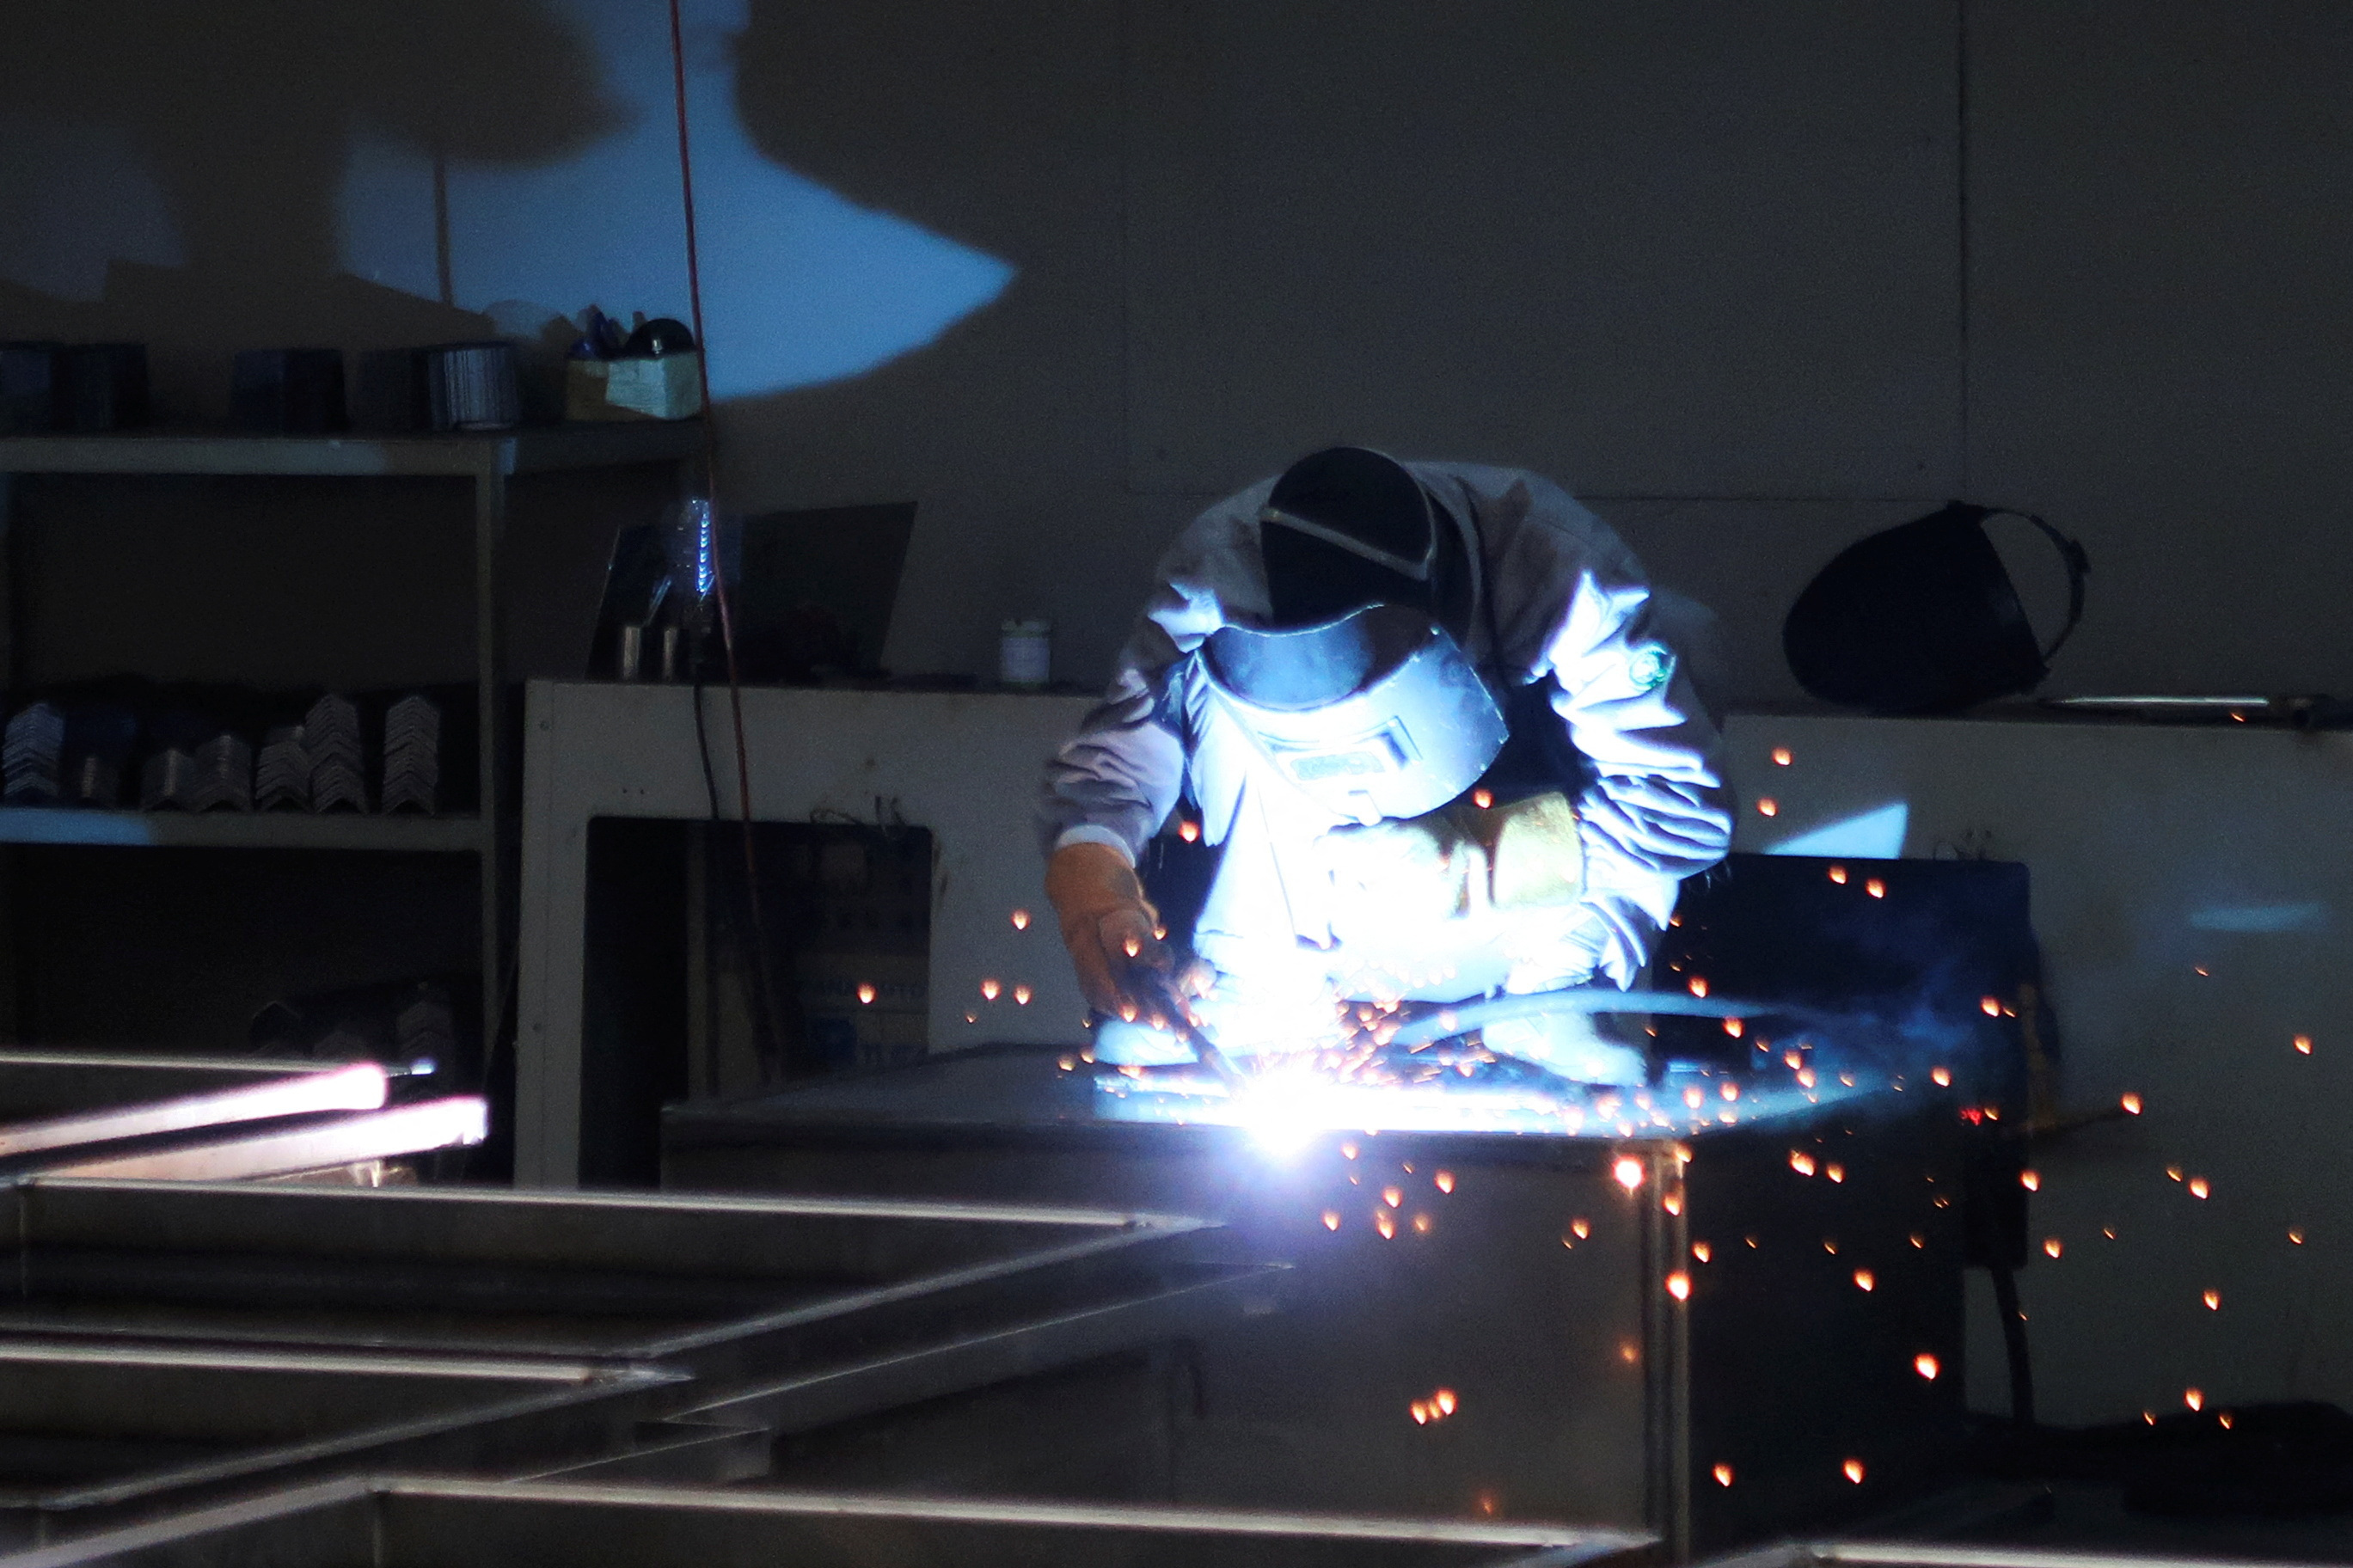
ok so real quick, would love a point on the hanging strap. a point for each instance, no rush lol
(2078, 562)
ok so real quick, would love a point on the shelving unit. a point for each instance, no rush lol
(486, 461)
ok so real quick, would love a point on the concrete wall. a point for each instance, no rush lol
(1757, 280)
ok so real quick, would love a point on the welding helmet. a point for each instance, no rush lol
(1923, 618)
(1375, 714)
(1346, 527)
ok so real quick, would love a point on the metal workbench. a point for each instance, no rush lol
(1659, 1331)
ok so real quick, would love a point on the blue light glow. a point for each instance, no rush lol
(799, 285)
(1874, 834)
(2268, 920)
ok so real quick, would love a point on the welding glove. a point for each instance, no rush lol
(1463, 861)
(1107, 923)
(1577, 1045)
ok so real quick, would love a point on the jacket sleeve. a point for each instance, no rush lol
(1572, 595)
(1118, 778)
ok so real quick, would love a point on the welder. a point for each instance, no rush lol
(1425, 716)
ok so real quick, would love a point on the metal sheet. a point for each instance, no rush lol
(1519, 1273)
(411, 1523)
(283, 1149)
(361, 1085)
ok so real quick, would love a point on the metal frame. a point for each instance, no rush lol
(488, 462)
(961, 765)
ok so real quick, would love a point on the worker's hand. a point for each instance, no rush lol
(1535, 852)
(1111, 928)
(1403, 874)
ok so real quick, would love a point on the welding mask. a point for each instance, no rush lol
(1377, 714)
(1923, 618)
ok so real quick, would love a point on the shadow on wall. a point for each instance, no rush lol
(243, 115)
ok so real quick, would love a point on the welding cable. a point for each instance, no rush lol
(760, 967)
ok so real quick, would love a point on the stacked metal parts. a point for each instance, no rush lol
(200, 755)
(412, 756)
(34, 751)
(330, 739)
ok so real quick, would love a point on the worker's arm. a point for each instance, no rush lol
(1112, 784)
(1571, 600)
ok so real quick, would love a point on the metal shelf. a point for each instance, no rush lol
(239, 830)
(536, 449)
(486, 463)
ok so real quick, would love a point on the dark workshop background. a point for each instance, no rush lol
(1754, 280)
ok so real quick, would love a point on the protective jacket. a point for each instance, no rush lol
(1556, 595)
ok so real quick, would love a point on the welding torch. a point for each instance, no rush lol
(1158, 993)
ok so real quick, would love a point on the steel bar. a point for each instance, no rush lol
(426, 1523)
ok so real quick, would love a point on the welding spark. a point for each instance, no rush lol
(1733, 1026)
(1392, 1197)
(1919, 1240)
(1628, 1172)
(1347, 1150)
(1443, 1181)
(1942, 1077)
(1678, 1285)
(1835, 1173)
(1481, 798)
(2173, 1172)
(1021, 994)
(1021, 919)
(2031, 1180)
(1672, 1200)
(2131, 1103)
(1801, 1162)
(2198, 1188)
(2213, 1300)
(1837, 875)
(1694, 1097)
(1581, 1226)
(1768, 807)
(866, 996)
(1190, 832)
(2304, 1044)
(1723, 1475)
(1853, 1469)
(1444, 1401)
(1698, 985)
(1383, 1224)
(2193, 1398)
(1780, 756)
(2052, 1247)
(1330, 1219)
(1926, 1366)
(1875, 887)
(1989, 1005)
(1865, 1280)
(2296, 1238)
(1421, 1225)
(2225, 1419)
(1700, 1251)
